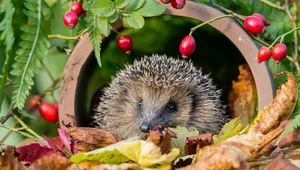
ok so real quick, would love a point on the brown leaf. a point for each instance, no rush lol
(53, 161)
(194, 142)
(88, 139)
(243, 96)
(8, 160)
(280, 163)
(280, 108)
(291, 138)
(162, 139)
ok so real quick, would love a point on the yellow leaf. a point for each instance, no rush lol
(146, 153)
(229, 129)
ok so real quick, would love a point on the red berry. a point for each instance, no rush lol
(264, 54)
(34, 102)
(70, 19)
(77, 8)
(49, 112)
(261, 17)
(178, 4)
(165, 1)
(125, 43)
(279, 52)
(254, 25)
(187, 46)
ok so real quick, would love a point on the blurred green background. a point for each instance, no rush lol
(215, 54)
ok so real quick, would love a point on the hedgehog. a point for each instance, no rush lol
(159, 90)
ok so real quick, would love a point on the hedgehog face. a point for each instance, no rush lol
(156, 91)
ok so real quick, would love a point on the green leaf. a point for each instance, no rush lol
(34, 46)
(122, 3)
(96, 39)
(103, 25)
(108, 154)
(135, 20)
(114, 17)
(104, 8)
(182, 134)
(229, 129)
(151, 8)
(136, 4)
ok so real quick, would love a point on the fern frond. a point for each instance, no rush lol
(95, 37)
(7, 36)
(34, 46)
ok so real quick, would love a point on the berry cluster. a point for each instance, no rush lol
(71, 17)
(278, 53)
(256, 23)
(47, 110)
(177, 4)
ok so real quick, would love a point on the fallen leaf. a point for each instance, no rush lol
(146, 153)
(229, 129)
(88, 139)
(124, 166)
(291, 138)
(281, 107)
(109, 154)
(156, 135)
(32, 152)
(68, 143)
(52, 161)
(192, 143)
(181, 134)
(55, 144)
(243, 96)
(280, 163)
(8, 160)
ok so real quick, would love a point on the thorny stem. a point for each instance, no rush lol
(226, 10)
(68, 38)
(283, 35)
(27, 129)
(209, 21)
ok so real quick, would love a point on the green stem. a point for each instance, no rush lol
(28, 129)
(209, 21)
(19, 132)
(226, 10)
(66, 37)
(283, 35)
(272, 5)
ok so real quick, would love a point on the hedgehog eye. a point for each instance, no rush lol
(171, 108)
(140, 103)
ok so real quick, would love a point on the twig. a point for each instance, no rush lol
(7, 116)
(68, 38)
(19, 132)
(226, 10)
(48, 72)
(9, 132)
(27, 129)
(272, 5)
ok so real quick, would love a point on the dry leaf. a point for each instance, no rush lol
(281, 107)
(8, 160)
(194, 142)
(88, 139)
(156, 135)
(243, 96)
(53, 161)
(291, 138)
(280, 163)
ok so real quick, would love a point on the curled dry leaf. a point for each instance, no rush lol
(280, 163)
(291, 138)
(243, 96)
(281, 107)
(88, 139)
(53, 161)
(192, 143)
(8, 160)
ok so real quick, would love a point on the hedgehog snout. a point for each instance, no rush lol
(146, 127)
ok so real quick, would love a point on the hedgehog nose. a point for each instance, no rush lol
(146, 127)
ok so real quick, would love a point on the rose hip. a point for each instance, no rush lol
(254, 25)
(70, 19)
(49, 112)
(178, 4)
(125, 43)
(77, 8)
(187, 46)
(279, 52)
(264, 54)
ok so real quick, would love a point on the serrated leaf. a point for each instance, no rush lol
(135, 20)
(108, 154)
(95, 37)
(229, 129)
(136, 4)
(29, 56)
(104, 8)
(151, 8)
(122, 3)
(181, 134)
(103, 25)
